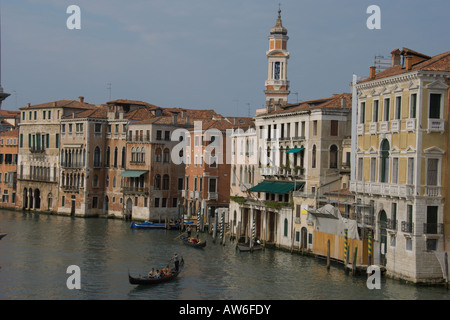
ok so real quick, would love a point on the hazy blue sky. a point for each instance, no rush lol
(202, 53)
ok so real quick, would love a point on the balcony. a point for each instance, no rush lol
(360, 129)
(37, 178)
(213, 196)
(407, 227)
(373, 128)
(433, 228)
(268, 171)
(395, 125)
(436, 125)
(37, 150)
(411, 124)
(382, 189)
(391, 224)
(135, 190)
(432, 191)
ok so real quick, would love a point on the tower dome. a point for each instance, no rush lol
(278, 28)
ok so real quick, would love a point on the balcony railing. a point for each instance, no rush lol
(213, 196)
(37, 149)
(391, 224)
(433, 228)
(40, 178)
(139, 190)
(407, 227)
(436, 125)
(383, 189)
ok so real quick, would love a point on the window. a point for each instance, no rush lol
(277, 70)
(333, 156)
(314, 156)
(286, 227)
(387, 102)
(166, 182)
(362, 114)
(375, 111)
(156, 202)
(94, 202)
(158, 154)
(360, 168)
(97, 157)
(398, 108)
(95, 181)
(180, 183)
(158, 135)
(413, 106)
(315, 128)
(334, 128)
(212, 185)
(63, 201)
(432, 172)
(435, 106)
(166, 156)
(373, 168)
(431, 226)
(395, 170)
(157, 182)
(410, 171)
(384, 161)
(97, 128)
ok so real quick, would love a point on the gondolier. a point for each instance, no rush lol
(176, 260)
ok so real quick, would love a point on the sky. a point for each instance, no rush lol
(202, 54)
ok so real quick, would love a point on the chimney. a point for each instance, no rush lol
(28, 105)
(54, 103)
(408, 62)
(81, 99)
(372, 72)
(396, 58)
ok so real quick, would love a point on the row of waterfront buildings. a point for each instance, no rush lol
(366, 169)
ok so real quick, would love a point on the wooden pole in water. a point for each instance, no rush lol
(328, 254)
(346, 246)
(446, 269)
(354, 261)
(370, 248)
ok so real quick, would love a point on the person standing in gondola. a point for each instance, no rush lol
(188, 230)
(176, 260)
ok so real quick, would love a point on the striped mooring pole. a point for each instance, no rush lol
(222, 226)
(198, 221)
(346, 246)
(370, 247)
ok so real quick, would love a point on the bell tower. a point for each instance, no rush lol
(277, 85)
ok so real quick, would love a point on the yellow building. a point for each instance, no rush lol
(401, 160)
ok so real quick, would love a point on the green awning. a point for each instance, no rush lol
(278, 187)
(133, 173)
(295, 150)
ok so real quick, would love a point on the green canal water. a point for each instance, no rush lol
(36, 253)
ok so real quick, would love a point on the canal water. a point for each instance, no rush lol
(39, 248)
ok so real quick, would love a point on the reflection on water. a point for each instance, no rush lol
(35, 254)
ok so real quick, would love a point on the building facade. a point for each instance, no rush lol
(9, 145)
(401, 162)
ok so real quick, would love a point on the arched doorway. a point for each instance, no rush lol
(129, 209)
(106, 204)
(30, 198)
(304, 238)
(383, 236)
(37, 199)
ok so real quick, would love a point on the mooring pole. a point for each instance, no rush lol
(354, 261)
(370, 248)
(328, 254)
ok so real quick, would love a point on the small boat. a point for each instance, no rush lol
(148, 225)
(245, 247)
(146, 280)
(2, 235)
(193, 242)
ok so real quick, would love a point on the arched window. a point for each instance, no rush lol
(108, 156)
(158, 154)
(124, 152)
(97, 157)
(314, 155)
(143, 155)
(166, 155)
(384, 161)
(95, 181)
(157, 182)
(333, 156)
(137, 155)
(166, 182)
(286, 227)
(116, 151)
(133, 154)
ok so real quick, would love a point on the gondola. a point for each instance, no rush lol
(196, 244)
(146, 280)
(2, 235)
(245, 247)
